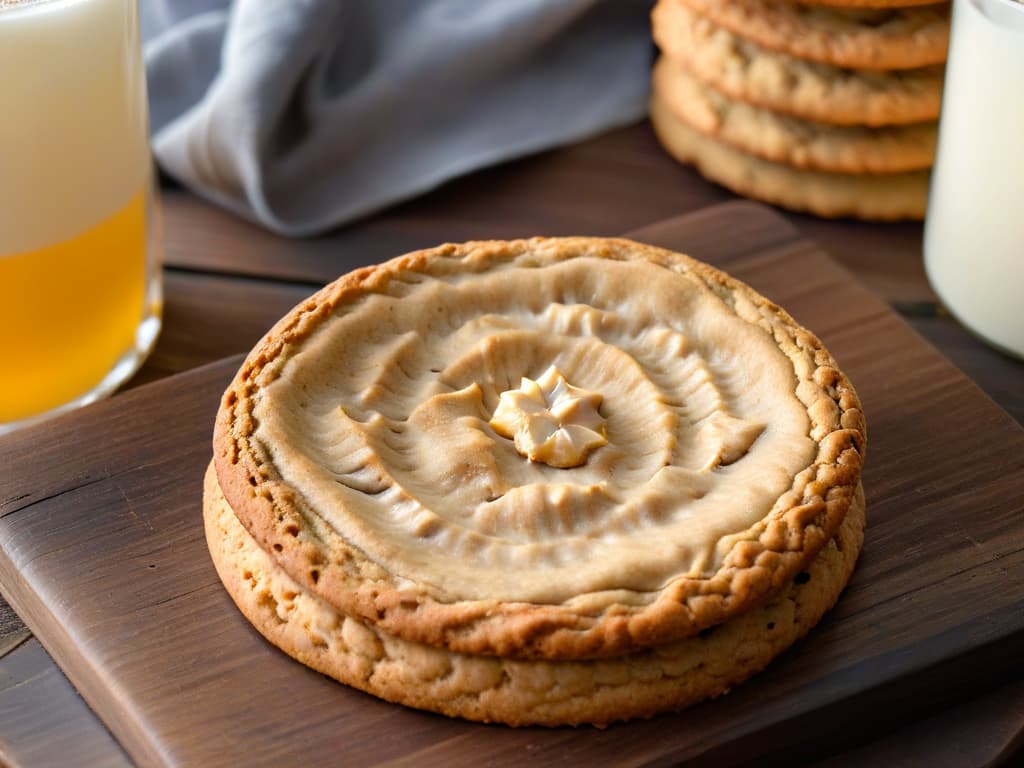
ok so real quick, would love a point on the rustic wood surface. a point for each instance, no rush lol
(101, 550)
(603, 186)
(43, 723)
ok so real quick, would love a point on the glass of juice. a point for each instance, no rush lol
(80, 290)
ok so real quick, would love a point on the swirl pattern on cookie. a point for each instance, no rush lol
(394, 447)
(357, 445)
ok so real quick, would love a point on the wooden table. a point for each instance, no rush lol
(226, 281)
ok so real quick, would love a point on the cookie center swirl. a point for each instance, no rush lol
(551, 421)
(432, 422)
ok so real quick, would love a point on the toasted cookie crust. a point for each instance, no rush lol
(512, 691)
(759, 562)
(746, 72)
(784, 139)
(885, 197)
(858, 38)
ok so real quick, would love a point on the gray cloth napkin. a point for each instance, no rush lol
(307, 114)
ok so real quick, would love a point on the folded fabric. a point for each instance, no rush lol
(307, 114)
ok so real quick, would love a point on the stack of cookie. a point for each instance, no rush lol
(486, 480)
(808, 105)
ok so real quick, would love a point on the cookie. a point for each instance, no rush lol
(478, 468)
(813, 91)
(878, 197)
(517, 692)
(858, 38)
(360, 445)
(783, 139)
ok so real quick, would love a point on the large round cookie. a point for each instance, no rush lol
(813, 91)
(883, 197)
(858, 38)
(513, 691)
(698, 453)
(790, 140)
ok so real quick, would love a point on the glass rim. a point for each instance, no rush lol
(1006, 14)
(19, 7)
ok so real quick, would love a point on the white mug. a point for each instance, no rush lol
(974, 231)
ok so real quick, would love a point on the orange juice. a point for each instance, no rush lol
(79, 270)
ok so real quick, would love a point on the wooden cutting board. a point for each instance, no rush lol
(102, 552)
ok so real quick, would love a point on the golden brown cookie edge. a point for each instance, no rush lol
(824, 194)
(754, 569)
(778, 27)
(600, 692)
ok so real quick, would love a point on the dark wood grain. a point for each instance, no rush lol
(983, 732)
(45, 723)
(886, 258)
(1001, 376)
(101, 550)
(12, 631)
(145, 548)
